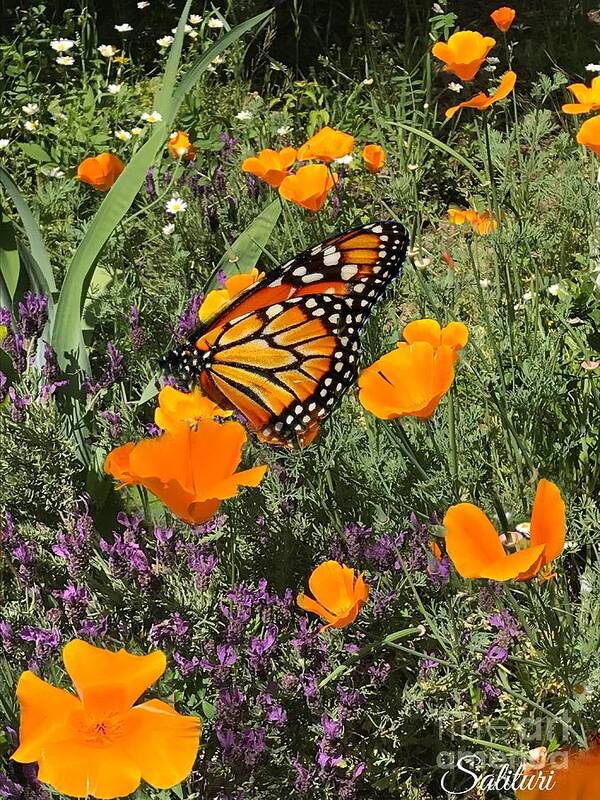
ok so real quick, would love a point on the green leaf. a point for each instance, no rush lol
(32, 231)
(208, 709)
(446, 148)
(164, 94)
(34, 151)
(245, 252)
(9, 255)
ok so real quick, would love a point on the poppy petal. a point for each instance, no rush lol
(308, 604)
(331, 583)
(472, 542)
(455, 335)
(423, 330)
(89, 667)
(548, 521)
(161, 742)
(44, 710)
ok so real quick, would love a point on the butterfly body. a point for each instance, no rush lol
(283, 352)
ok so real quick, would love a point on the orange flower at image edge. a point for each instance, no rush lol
(98, 742)
(573, 774)
(191, 467)
(216, 300)
(326, 145)
(374, 157)
(339, 594)
(180, 146)
(271, 166)
(100, 171)
(503, 18)
(475, 548)
(588, 98)
(308, 187)
(482, 101)
(589, 134)
(411, 380)
(464, 53)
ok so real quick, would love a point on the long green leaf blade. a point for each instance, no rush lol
(9, 256)
(164, 94)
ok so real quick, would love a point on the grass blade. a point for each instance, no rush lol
(9, 256)
(445, 147)
(164, 94)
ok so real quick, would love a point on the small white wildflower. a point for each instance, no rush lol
(437, 9)
(285, 130)
(344, 159)
(124, 136)
(165, 41)
(31, 125)
(217, 60)
(490, 68)
(114, 88)
(193, 34)
(455, 87)
(30, 109)
(527, 297)
(62, 45)
(523, 528)
(244, 115)
(107, 50)
(52, 172)
(554, 289)
(4, 143)
(143, 4)
(592, 67)
(425, 106)
(195, 19)
(187, 29)
(137, 131)
(215, 22)
(412, 167)
(65, 61)
(168, 229)
(154, 116)
(492, 60)
(368, 82)
(175, 206)
(124, 28)
(485, 283)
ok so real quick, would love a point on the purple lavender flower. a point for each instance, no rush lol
(88, 629)
(260, 648)
(18, 404)
(3, 382)
(150, 187)
(188, 320)
(252, 186)
(74, 546)
(229, 144)
(7, 636)
(33, 314)
(490, 696)
(114, 423)
(114, 371)
(219, 180)
(185, 665)
(137, 333)
(75, 600)
(169, 631)
(46, 641)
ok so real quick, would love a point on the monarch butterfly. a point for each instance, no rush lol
(284, 351)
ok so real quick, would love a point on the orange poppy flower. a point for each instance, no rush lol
(180, 146)
(588, 97)
(589, 134)
(482, 100)
(271, 166)
(482, 222)
(100, 171)
(475, 548)
(98, 742)
(576, 780)
(326, 145)
(216, 300)
(503, 18)
(339, 594)
(464, 53)
(177, 409)
(308, 187)
(190, 469)
(412, 379)
(374, 157)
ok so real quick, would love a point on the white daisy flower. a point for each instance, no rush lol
(193, 34)
(195, 19)
(52, 172)
(437, 9)
(154, 116)
(107, 50)
(348, 159)
(455, 87)
(284, 130)
(31, 125)
(137, 131)
(124, 28)
(554, 289)
(368, 82)
(165, 41)
(175, 206)
(30, 109)
(244, 115)
(114, 88)
(168, 229)
(4, 143)
(62, 45)
(492, 60)
(527, 297)
(187, 29)
(215, 22)
(143, 4)
(65, 61)
(217, 59)
(592, 67)
(124, 136)
(485, 283)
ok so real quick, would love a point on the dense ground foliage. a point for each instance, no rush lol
(434, 664)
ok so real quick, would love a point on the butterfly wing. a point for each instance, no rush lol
(285, 350)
